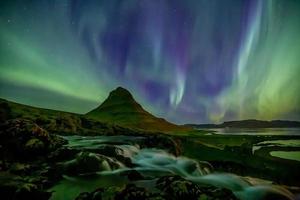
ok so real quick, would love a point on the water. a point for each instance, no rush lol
(291, 155)
(282, 143)
(257, 131)
(152, 163)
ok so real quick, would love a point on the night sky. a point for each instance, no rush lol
(187, 61)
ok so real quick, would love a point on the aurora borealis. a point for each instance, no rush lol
(187, 61)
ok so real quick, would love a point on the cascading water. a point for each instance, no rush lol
(153, 163)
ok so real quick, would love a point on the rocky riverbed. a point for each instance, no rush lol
(38, 165)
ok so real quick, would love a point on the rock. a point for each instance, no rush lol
(167, 188)
(162, 142)
(97, 194)
(19, 168)
(132, 192)
(14, 187)
(5, 111)
(61, 123)
(215, 193)
(176, 187)
(133, 175)
(21, 139)
(84, 196)
(87, 163)
(62, 154)
(34, 146)
(121, 154)
(108, 193)
(55, 142)
(51, 176)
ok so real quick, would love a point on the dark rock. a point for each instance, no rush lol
(14, 187)
(87, 163)
(55, 142)
(215, 193)
(62, 154)
(84, 196)
(133, 175)
(5, 111)
(34, 146)
(19, 168)
(23, 139)
(132, 192)
(51, 174)
(67, 123)
(176, 187)
(277, 196)
(97, 194)
(116, 152)
(162, 142)
(108, 193)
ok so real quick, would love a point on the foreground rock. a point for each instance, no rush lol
(87, 163)
(24, 170)
(162, 142)
(15, 187)
(176, 187)
(166, 188)
(22, 139)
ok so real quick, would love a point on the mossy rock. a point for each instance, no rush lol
(176, 187)
(34, 144)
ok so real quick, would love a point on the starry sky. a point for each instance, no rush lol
(191, 61)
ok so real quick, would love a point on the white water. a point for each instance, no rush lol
(156, 162)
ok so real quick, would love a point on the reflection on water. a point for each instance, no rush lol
(70, 187)
(290, 143)
(257, 131)
(152, 163)
(291, 155)
(277, 143)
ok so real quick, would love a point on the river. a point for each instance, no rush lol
(154, 163)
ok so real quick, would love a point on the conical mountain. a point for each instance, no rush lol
(121, 108)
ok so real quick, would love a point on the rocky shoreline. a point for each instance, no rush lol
(34, 162)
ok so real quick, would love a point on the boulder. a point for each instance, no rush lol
(175, 187)
(23, 139)
(132, 192)
(62, 154)
(162, 142)
(34, 146)
(87, 163)
(14, 187)
(133, 175)
(123, 155)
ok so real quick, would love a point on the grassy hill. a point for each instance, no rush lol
(117, 111)
(121, 108)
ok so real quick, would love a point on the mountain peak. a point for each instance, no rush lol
(121, 108)
(120, 89)
(121, 92)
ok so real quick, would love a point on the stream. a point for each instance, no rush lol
(153, 163)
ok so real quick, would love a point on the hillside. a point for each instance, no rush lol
(121, 108)
(118, 112)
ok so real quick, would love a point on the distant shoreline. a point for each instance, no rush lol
(250, 123)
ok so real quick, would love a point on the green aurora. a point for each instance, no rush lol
(195, 61)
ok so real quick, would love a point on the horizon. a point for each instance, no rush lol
(199, 123)
(191, 62)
